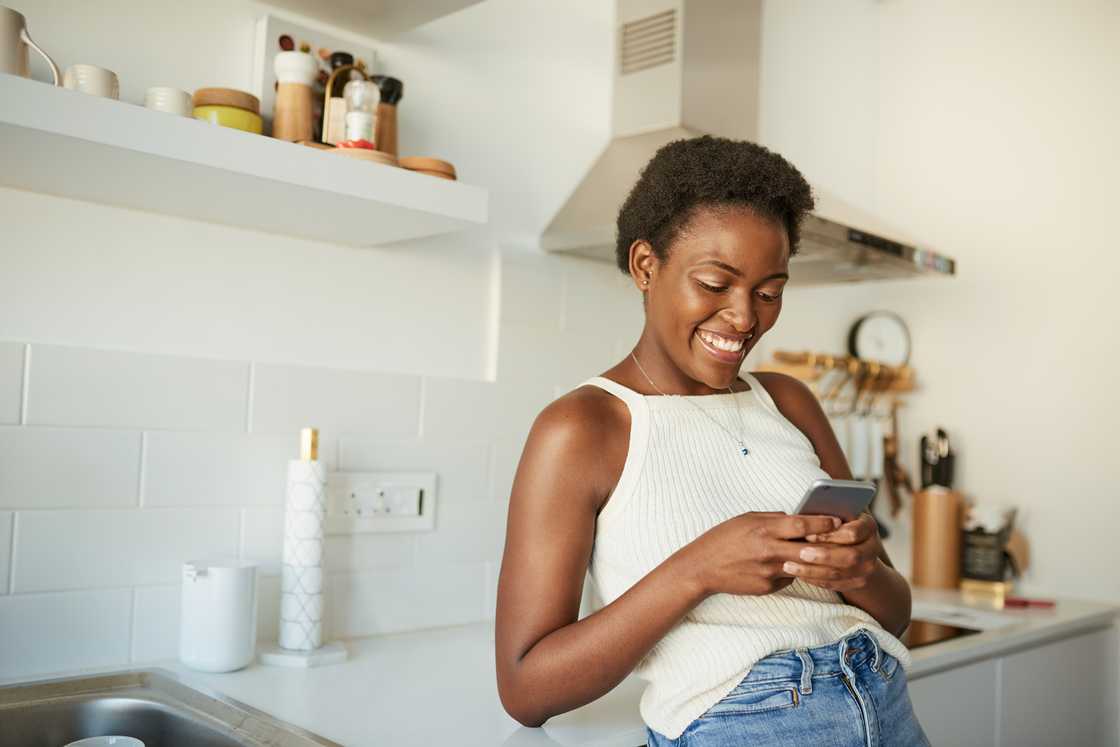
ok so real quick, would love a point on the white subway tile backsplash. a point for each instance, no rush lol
(490, 595)
(6, 518)
(155, 624)
(184, 468)
(465, 532)
(262, 538)
(11, 381)
(268, 609)
(109, 388)
(394, 601)
(44, 633)
(527, 356)
(287, 398)
(504, 458)
(532, 290)
(68, 468)
(369, 552)
(56, 550)
(597, 294)
(460, 464)
(476, 410)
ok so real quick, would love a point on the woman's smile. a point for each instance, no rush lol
(723, 349)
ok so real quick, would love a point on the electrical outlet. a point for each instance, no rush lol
(360, 502)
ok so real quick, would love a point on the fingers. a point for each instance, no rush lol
(798, 526)
(853, 532)
(836, 568)
(833, 556)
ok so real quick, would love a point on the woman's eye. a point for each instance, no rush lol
(768, 299)
(712, 288)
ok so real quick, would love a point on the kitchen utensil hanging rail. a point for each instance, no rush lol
(811, 366)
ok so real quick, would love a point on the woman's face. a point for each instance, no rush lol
(721, 287)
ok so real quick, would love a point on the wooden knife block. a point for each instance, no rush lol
(938, 518)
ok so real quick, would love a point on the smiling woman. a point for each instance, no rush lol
(671, 477)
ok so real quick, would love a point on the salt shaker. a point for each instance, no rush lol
(362, 98)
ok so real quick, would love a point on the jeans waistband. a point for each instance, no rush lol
(842, 656)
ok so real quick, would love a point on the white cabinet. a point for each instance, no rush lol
(1062, 692)
(958, 707)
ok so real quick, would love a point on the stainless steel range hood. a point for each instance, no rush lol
(689, 67)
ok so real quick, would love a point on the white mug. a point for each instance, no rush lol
(93, 80)
(170, 100)
(14, 42)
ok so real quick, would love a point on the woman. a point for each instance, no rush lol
(670, 477)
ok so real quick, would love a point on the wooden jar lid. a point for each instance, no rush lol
(227, 97)
(429, 165)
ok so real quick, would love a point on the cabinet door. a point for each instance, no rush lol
(958, 706)
(1063, 693)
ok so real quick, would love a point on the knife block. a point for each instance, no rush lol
(938, 519)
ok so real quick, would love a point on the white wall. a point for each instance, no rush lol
(154, 371)
(986, 131)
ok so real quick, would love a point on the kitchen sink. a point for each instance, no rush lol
(152, 705)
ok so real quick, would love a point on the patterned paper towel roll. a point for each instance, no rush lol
(301, 590)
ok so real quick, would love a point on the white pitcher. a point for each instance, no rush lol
(14, 41)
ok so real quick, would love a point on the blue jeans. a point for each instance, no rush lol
(848, 693)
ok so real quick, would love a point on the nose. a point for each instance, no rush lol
(741, 316)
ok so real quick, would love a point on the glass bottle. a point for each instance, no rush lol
(362, 98)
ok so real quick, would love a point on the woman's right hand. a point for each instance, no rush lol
(744, 555)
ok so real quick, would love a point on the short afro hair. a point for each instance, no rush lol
(709, 171)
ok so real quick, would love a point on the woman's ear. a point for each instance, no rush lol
(642, 263)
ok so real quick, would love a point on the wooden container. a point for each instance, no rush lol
(938, 517)
(385, 134)
(226, 97)
(292, 116)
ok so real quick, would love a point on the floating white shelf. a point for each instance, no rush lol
(71, 144)
(376, 18)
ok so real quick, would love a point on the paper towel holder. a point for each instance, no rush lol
(301, 575)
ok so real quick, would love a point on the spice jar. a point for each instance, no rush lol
(362, 98)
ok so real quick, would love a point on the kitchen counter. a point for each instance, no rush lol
(438, 686)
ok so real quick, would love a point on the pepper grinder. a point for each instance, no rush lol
(385, 135)
(292, 117)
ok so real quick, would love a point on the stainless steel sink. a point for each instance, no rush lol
(152, 705)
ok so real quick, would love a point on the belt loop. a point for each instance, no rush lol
(874, 643)
(806, 686)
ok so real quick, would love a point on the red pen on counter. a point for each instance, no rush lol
(1024, 602)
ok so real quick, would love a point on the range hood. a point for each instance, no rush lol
(684, 68)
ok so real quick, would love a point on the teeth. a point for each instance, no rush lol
(730, 346)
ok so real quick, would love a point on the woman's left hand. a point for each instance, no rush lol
(844, 559)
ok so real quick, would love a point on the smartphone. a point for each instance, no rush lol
(841, 498)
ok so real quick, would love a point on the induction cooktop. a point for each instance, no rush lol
(926, 633)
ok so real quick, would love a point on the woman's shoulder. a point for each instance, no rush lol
(586, 430)
(587, 413)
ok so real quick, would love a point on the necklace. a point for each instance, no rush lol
(742, 447)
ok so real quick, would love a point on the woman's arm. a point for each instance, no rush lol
(547, 661)
(877, 588)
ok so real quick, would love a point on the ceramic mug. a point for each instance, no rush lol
(170, 100)
(92, 79)
(14, 42)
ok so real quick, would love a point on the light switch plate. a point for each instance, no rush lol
(359, 502)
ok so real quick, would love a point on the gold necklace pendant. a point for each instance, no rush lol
(743, 450)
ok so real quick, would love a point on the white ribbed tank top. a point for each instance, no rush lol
(682, 476)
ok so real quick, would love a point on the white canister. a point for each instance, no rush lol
(218, 627)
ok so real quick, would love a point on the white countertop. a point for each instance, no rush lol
(439, 686)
